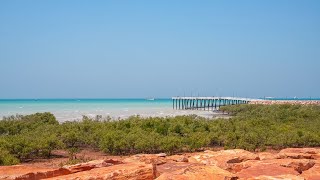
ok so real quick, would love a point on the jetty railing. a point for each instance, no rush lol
(206, 103)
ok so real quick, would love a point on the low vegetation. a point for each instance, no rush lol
(252, 127)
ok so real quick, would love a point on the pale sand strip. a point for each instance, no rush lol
(295, 102)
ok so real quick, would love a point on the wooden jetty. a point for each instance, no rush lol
(206, 103)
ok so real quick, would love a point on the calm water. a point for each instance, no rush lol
(70, 109)
(74, 109)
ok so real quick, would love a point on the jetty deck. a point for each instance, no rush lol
(207, 103)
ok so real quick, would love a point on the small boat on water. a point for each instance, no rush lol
(150, 99)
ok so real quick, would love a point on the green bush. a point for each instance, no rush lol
(6, 158)
(251, 127)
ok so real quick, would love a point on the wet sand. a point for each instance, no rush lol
(124, 113)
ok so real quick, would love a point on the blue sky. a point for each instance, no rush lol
(111, 49)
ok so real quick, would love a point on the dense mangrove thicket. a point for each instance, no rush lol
(252, 127)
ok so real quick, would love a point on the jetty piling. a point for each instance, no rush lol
(206, 103)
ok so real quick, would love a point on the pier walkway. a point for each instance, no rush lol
(207, 103)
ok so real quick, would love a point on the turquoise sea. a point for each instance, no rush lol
(74, 109)
(71, 109)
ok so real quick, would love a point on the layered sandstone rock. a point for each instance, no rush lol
(298, 165)
(281, 177)
(136, 171)
(223, 159)
(172, 166)
(299, 153)
(146, 158)
(91, 165)
(198, 172)
(267, 155)
(312, 173)
(178, 158)
(290, 163)
(265, 170)
(20, 172)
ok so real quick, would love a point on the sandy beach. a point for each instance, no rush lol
(127, 112)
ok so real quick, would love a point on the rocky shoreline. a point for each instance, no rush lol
(290, 163)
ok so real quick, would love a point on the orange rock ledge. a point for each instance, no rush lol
(290, 163)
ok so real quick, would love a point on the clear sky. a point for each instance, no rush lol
(112, 49)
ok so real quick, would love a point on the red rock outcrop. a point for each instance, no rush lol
(172, 166)
(265, 170)
(146, 158)
(91, 165)
(136, 171)
(298, 165)
(178, 158)
(267, 155)
(198, 172)
(224, 158)
(299, 153)
(312, 173)
(290, 163)
(20, 172)
(281, 177)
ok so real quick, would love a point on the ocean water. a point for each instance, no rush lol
(74, 109)
(71, 109)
